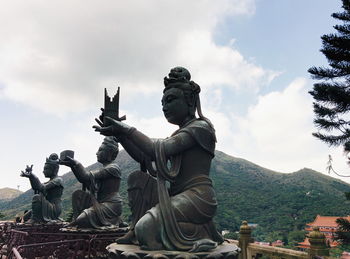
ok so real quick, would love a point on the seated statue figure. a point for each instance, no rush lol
(182, 219)
(46, 204)
(99, 204)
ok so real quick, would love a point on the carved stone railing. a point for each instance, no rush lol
(249, 250)
(256, 251)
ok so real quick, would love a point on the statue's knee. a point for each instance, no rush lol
(148, 233)
(145, 224)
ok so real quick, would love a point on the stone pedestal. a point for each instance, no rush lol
(120, 251)
(105, 230)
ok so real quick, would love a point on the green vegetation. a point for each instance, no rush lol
(332, 96)
(278, 203)
(69, 216)
(343, 233)
(295, 237)
(332, 93)
(232, 235)
(7, 194)
(337, 251)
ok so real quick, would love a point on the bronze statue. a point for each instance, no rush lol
(46, 204)
(182, 219)
(99, 204)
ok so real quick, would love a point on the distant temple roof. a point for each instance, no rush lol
(326, 221)
(306, 243)
(327, 225)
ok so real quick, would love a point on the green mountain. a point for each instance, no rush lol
(278, 203)
(7, 194)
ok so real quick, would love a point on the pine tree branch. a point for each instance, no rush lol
(336, 55)
(343, 29)
(342, 16)
(322, 111)
(335, 94)
(319, 73)
(343, 224)
(343, 66)
(346, 5)
(330, 125)
(347, 148)
(332, 140)
(332, 96)
(336, 41)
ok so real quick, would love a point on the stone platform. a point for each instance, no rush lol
(121, 251)
(104, 230)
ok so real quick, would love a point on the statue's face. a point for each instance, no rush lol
(175, 107)
(103, 154)
(49, 170)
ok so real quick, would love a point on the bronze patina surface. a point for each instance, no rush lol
(178, 217)
(98, 204)
(225, 250)
(46, 203)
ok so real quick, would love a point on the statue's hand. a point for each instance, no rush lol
(27, 172)
(100, 118)
(115, 128)
(68, 161)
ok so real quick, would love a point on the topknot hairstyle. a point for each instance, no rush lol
(52, 159)
(111, 142)
(180, 77)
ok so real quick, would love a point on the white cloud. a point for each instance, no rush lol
(276, 132)
(58, 56)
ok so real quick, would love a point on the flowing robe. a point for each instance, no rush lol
(46, 203)
(185, 210)
(100, 205)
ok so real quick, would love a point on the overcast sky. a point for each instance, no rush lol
(250, 58)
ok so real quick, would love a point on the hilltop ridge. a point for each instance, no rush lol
(7, 194)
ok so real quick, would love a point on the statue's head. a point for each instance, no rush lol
(51, 166)
(180, 96)
(108, 150)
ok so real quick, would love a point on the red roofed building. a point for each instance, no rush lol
(345, 255)
(327, 225)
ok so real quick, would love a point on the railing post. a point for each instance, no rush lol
(244, 239)
(318, 246)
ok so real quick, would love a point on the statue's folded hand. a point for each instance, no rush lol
(68, 161)
(114, 128)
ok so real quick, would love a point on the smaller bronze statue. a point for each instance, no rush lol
(98, 204)
(46, 204)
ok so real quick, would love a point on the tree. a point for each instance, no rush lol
(295, 237)
(332, 93)
(69, 217)
(343, 232)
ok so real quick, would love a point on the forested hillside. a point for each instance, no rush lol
(7, 194)
(279, 203)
